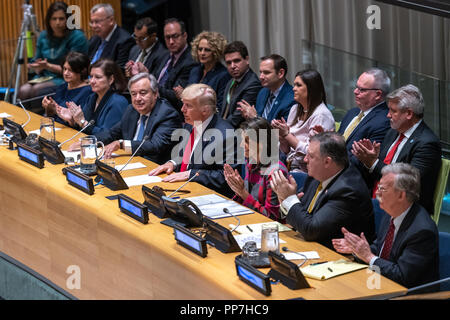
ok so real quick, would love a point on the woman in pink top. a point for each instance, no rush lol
(310, 111)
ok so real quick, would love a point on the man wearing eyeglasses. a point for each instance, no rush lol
(109, 40)
(369, 119)
(148, 53)
(174, 71)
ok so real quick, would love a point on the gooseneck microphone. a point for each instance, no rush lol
(27, 113)
(228, 212)
(286, 249)
(195, 175)
(90, 123)
(132, 156)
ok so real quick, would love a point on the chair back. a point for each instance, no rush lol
(441, 185)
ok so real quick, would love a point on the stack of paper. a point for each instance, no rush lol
(212, 205)
(331, 269)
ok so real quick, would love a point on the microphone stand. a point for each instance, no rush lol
(28, 22)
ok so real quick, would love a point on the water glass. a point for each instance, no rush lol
(269, 238)
(89, 153)
(47, 130)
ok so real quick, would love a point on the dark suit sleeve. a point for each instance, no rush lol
(249, 95)
(413, 262)
(123, 52)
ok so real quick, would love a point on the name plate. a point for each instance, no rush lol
(190, 241)
(220, 237)
(79, 180)
(253, 277)
(30, 155)
(132, 208)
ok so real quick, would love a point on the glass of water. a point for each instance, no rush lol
(47, 130)
(269, 238)
(89, 154)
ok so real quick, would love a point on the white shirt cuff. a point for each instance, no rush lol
(372, 261)
(289, 202)
(373, 166)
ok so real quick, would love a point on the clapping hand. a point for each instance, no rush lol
(235, 181)
(248, 111)
(366, 151)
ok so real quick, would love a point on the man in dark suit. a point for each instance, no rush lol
(275, 99)
(174, 71)
(204, 148)
(409, 140)
(244, 84)
(407, 246)
(333, 196)
(147, 116)
(148, 53)
(109, 40)
(369, 119)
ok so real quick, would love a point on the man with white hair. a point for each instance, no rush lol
(406, 249)
(206, 134)
(409, 140)
(109, 40)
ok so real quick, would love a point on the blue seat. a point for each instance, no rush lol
(444, 259)
(300, 178)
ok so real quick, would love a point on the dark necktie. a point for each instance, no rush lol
(388, 241)
(141, 127)
(229, 95)
(268, 106)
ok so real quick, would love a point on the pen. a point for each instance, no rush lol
(330, 269)
(314, 264)
(249, 228)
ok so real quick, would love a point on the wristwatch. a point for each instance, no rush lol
(121, 144)
(83, 122)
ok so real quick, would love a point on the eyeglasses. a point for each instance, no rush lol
(172, 36)
(139, 39)
(94, 22)
(362, 90)
(381, 188)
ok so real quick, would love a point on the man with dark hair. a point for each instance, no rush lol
(109, 41)
(275, 99)
(177, 64)
(334, 195)
(406, 249)
(244, 84)
(409, 140)
(148, 53)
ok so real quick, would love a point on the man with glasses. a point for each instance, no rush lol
(406, 249)
(177, 64)
(369, 119)
(109, 40)
(409, 140)
(148, 53)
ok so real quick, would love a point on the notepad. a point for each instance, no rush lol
(331, 269)
(140, 180)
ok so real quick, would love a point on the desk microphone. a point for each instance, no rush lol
(285, 249)
(26, 111)
(132, 156)
(228, 212)
(195, 175)
(90, 123)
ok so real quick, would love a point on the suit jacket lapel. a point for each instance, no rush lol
(406, 150)
(264, 98)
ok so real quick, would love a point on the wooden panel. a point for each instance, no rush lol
(11, 17)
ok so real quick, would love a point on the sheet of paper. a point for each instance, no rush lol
(38, 131)
(241, 239)
(5, 115)
(297, 256)
(331, 269)
(140, 180)
(256, 228)
(212, 205)
(130, 166)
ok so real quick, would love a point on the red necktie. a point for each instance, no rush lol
(388, 160)
(188, 151)
(388, 241)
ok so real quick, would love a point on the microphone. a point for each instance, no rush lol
(228, 212)
(90, 123)
(27, 113)
(132, 156)
(286, 249)
(195, 175)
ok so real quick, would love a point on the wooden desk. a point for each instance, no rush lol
(49, 226)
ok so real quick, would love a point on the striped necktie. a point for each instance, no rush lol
(268, 106)
(141, 127)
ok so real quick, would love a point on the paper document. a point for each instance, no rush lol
(256, 228)
(331, 269)
(72, 154)
(241, 239)
(5, 115)
(297, 256)
(38, 131)
(130, 166)
(212, 205)
(140, 180)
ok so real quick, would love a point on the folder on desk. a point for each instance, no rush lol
(331, 269)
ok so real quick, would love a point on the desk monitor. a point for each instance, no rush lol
(253, 277)
(190, 241)
(183, 212)
(79, 180)
(153, 201)
(52, 151)
(133, 208)
(30, 155)
(287, 272)
(14, 129)
(111, 177)
(221, 237)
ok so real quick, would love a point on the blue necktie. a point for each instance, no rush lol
(99, 52)
(141, 128)
(165, 74)
(268, 106)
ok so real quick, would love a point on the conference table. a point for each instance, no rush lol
(61, 232)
